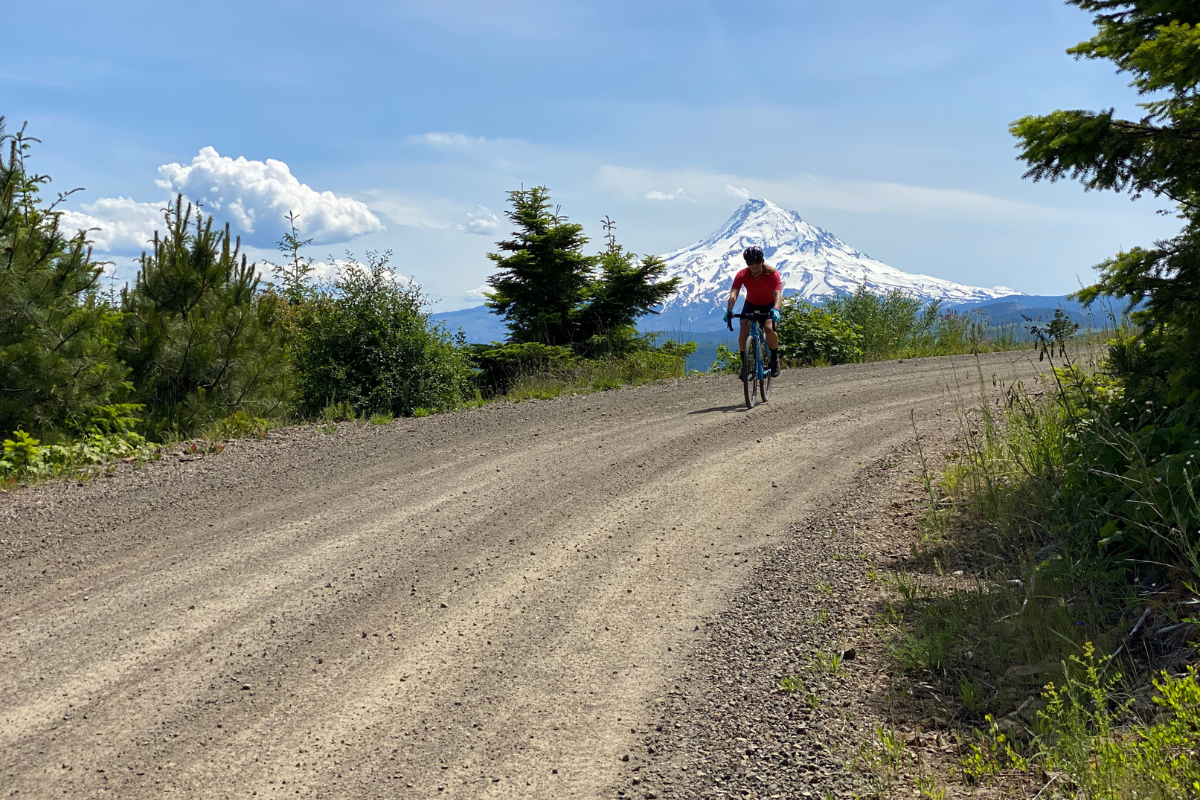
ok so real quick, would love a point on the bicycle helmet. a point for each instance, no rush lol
(753, 255)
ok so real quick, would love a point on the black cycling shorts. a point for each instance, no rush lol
(754, 308)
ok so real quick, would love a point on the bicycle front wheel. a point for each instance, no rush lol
(750, 371)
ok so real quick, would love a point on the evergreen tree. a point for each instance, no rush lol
(550, 291)
(294, 278)
(201, 340)
(57, 348)
(1158, 43)
(545, 277)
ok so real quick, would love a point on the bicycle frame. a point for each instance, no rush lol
(758, 385)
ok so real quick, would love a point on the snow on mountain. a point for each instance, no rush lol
(813, 263)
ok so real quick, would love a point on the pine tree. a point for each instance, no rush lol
(549, 290)
(57, 348)
(1158, 43)
(545, 277)
(626, 289)
(201, 340)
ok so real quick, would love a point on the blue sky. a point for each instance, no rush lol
(402, 125)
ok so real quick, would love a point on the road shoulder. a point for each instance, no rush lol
(763, 708)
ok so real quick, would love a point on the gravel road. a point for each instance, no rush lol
(492, 603)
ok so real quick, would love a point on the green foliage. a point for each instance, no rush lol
(339, 412)
(1133, 479)
(382, 419)
(293, 278)
(201, 340)
(366, 340)
(548, 290)
(501, 366)
(729, 362)
(58, 359)
(810, 335)
(895, 325)
(1083, 731)
(1158, 44)
(238, 425)
(111, 434)
(600, 374)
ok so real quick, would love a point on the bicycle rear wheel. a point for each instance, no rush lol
(750, 371)
(764, 386)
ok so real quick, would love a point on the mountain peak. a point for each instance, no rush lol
(813, 263)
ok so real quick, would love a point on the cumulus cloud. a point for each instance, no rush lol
(116, 224)
(740, 192)
(478, 293)
(483, 222)
(255, 197)
(678, 194)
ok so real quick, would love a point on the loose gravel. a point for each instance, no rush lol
(493, 603)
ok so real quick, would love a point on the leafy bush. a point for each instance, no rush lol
(201, 340)
(239, 425)
(810, 335)
(58, 360)
(110, 435)
(365, 340)
(729, 362)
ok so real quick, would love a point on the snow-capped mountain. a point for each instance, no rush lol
(813, 263)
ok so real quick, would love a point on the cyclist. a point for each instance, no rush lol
(764, 293)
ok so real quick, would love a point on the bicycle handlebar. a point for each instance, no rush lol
(761, 316)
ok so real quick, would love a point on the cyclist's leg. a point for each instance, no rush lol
(743, 334)
(773, 346)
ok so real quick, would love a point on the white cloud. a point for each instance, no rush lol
(116, 224)
(255, 197)
(678, 194)
(477, 293)
(483, 222)
(449, 141)
(805, 191)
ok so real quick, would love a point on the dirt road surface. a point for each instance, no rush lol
(480, 604)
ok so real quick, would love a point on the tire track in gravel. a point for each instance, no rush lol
(481, 604)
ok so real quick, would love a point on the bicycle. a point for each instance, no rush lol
(756, 379)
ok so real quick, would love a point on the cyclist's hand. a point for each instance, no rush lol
(729, 318)
(774, 315)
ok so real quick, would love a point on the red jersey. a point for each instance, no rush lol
(761, 290)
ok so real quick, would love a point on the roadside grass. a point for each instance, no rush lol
(596, 375)
(1064, 669)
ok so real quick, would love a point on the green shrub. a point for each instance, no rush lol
(58, 360)
(338, 412)
(810, 335)
(501, 366)
(365, 340)
(201, 340)
(895, 325)
(239, 425)
(111, 434)
(729, 362)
